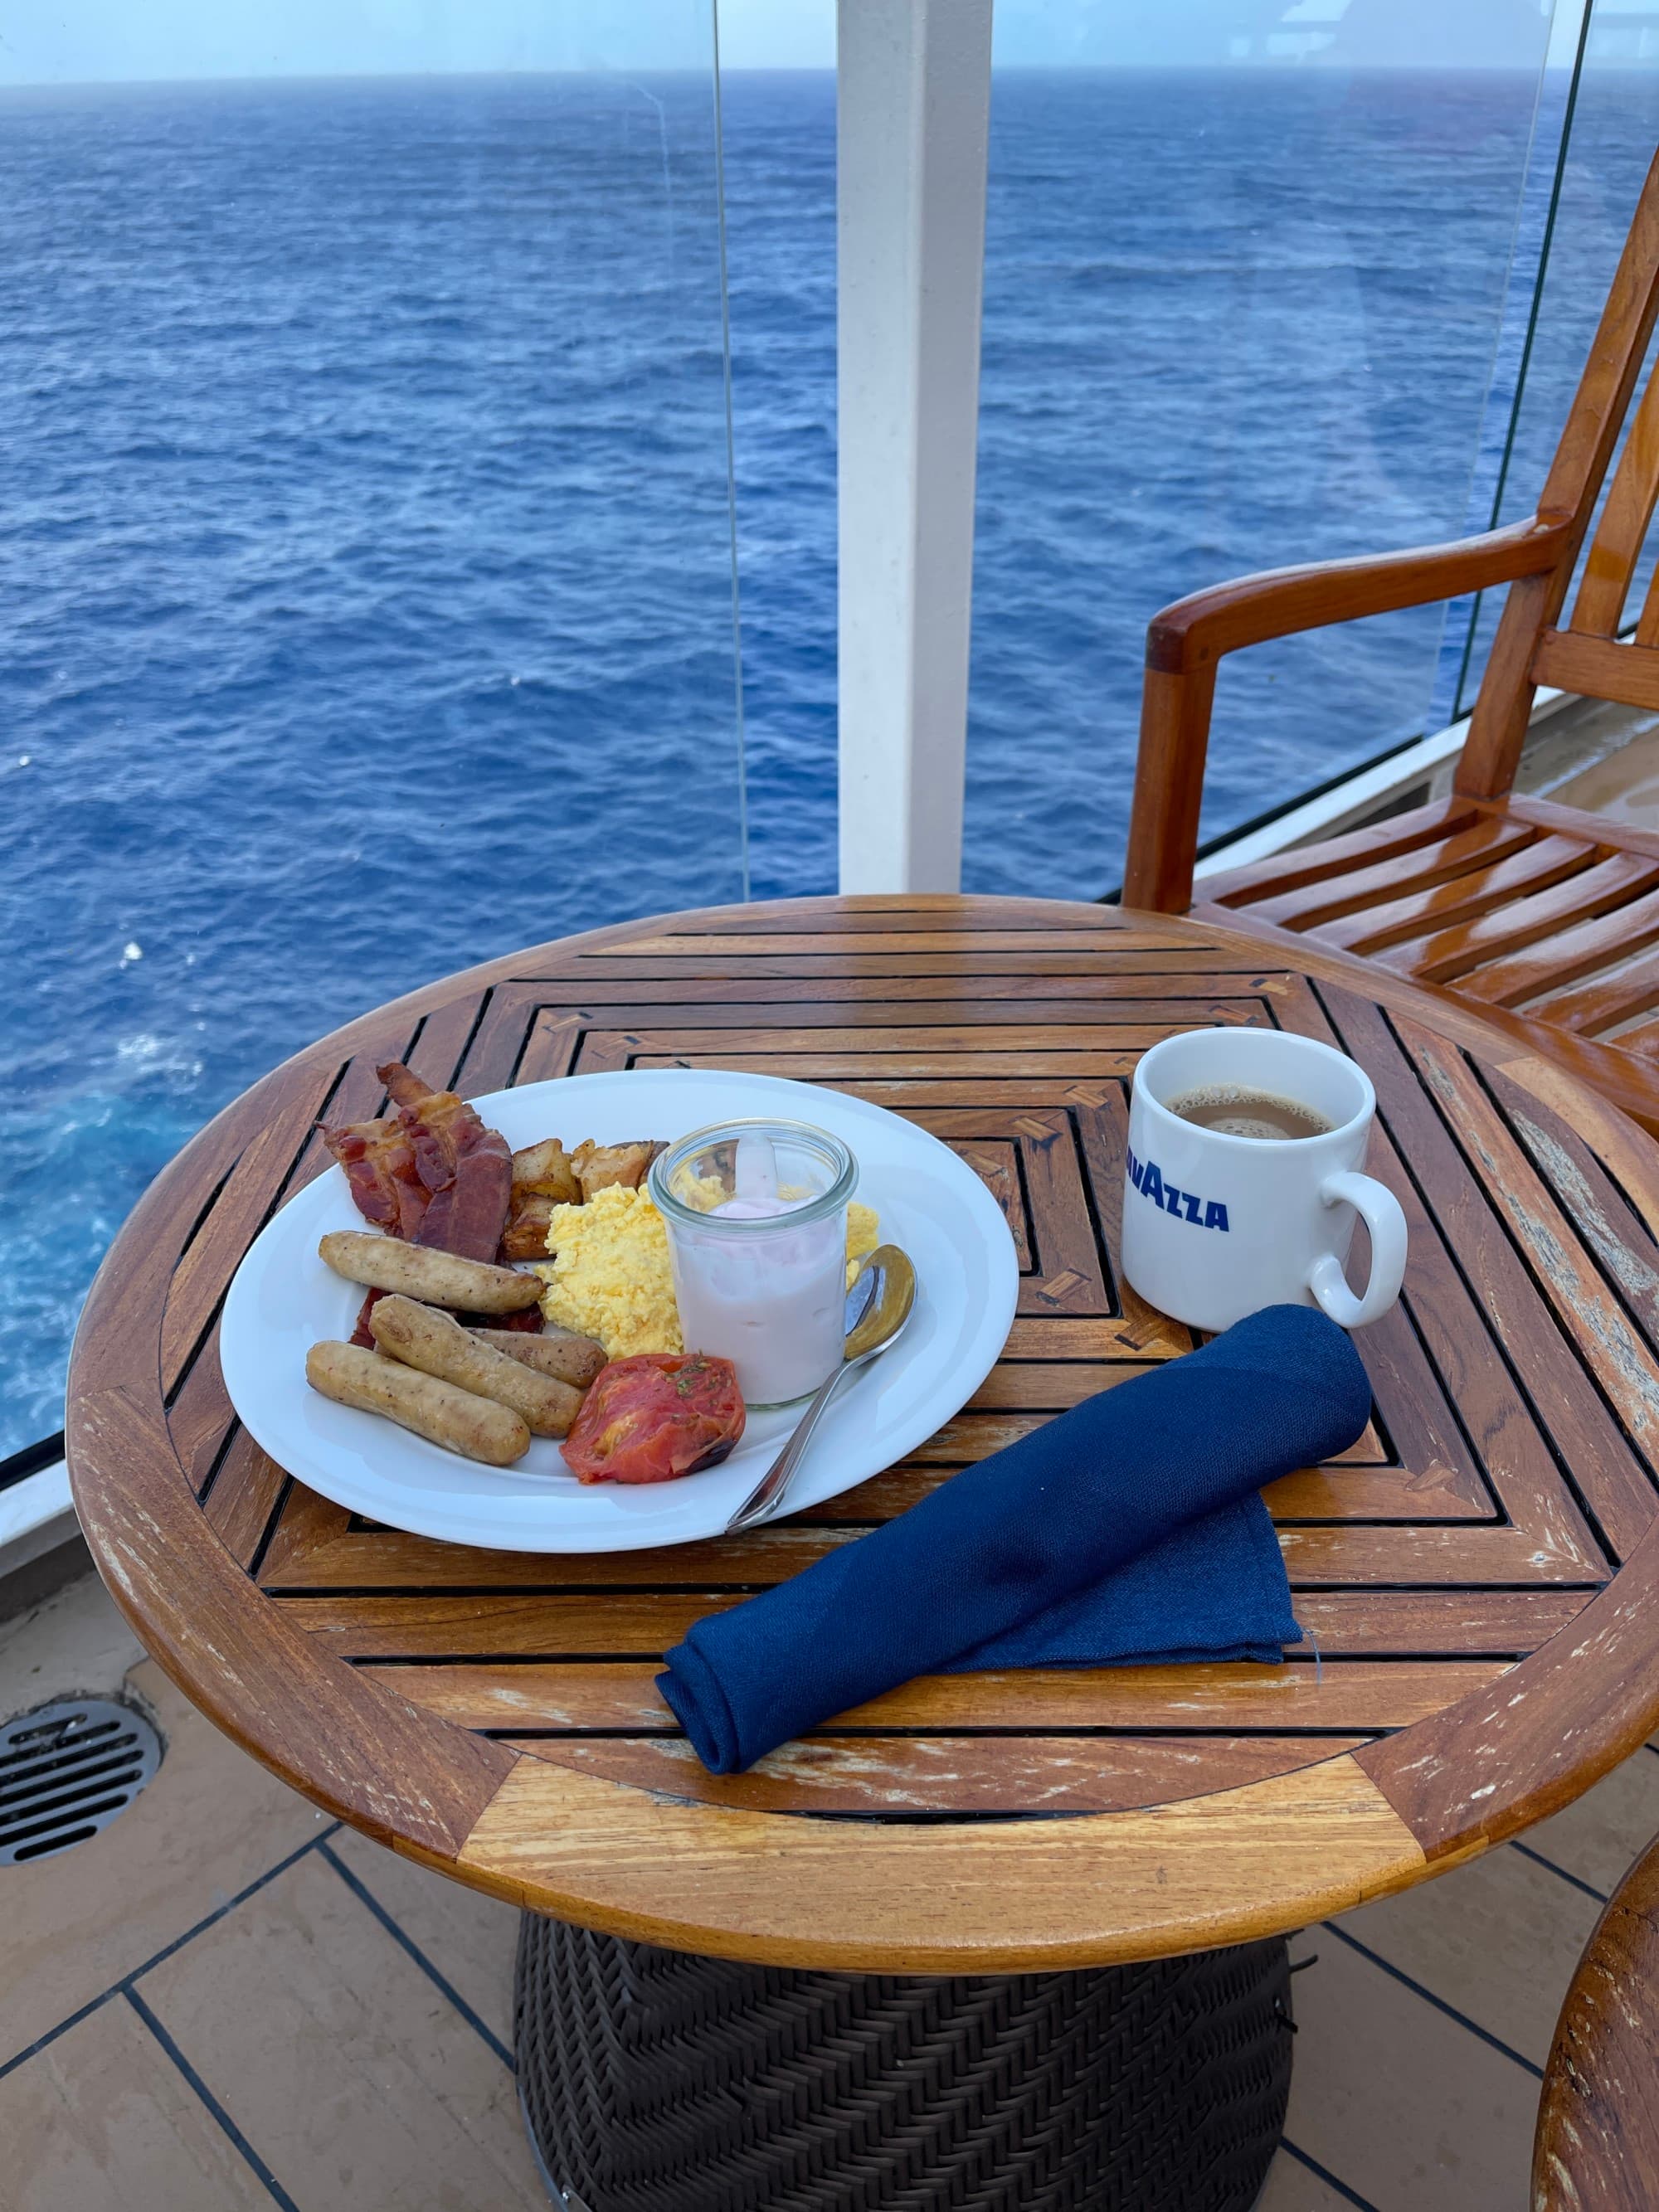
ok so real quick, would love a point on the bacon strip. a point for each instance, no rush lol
(466, 1167)
(432, 1173)
(363, 1333)
(379, 1166)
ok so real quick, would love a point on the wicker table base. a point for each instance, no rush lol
(654, 2081)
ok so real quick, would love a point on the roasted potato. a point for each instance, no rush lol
(559, 1352)
(478, 1428)
(417, 1271)
(545, 1170)
(438, 1345)
(525, 1237)
(601, 1167)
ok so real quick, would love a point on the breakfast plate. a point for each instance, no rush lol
(284, 1299)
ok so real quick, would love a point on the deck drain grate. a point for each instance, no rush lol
(66, 1769)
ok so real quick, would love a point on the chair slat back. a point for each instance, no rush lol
(1646, 623)
(1529, 649)
(1622, 531)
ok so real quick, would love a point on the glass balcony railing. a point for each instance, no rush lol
(366, 571)
(380, 475)
(780, 146)
(1243, 300)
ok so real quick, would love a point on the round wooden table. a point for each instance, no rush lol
(1476, 1578)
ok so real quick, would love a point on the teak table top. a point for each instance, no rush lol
(1479, 1572)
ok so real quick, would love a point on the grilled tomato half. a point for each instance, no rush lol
(656, 1416)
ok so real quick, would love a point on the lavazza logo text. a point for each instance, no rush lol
(1202, 1213)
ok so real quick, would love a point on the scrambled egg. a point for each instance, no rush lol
(863, 1235)
(610, 1277)
(702, 1193)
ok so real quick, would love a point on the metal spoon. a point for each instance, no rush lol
(877, 1306)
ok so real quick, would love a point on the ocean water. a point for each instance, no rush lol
(367, 558)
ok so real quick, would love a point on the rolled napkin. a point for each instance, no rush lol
(1026, 1560)
(1215, 1589)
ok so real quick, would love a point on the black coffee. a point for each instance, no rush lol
(1233, 1111)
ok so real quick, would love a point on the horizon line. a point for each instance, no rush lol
(1251, 66)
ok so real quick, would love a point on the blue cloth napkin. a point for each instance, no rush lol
(1219, 1584)
(1128, 1528)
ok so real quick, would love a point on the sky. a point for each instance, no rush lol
(69, 41)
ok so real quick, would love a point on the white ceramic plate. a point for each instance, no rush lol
(283, 1299)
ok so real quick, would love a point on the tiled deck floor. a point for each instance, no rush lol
(227, 2001)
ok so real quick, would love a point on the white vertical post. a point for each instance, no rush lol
(914, 94)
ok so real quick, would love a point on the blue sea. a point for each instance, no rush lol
(367, 580)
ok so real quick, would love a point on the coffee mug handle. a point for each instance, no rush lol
(1380, 1210)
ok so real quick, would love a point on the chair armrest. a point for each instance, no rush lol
(1196, 631)
(1185, 642)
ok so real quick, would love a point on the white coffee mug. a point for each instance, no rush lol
(1216, 1226)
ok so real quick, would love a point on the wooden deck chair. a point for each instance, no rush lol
(1546, 919)
(1597, 2145)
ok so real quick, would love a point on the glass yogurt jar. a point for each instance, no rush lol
(756, 1219)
